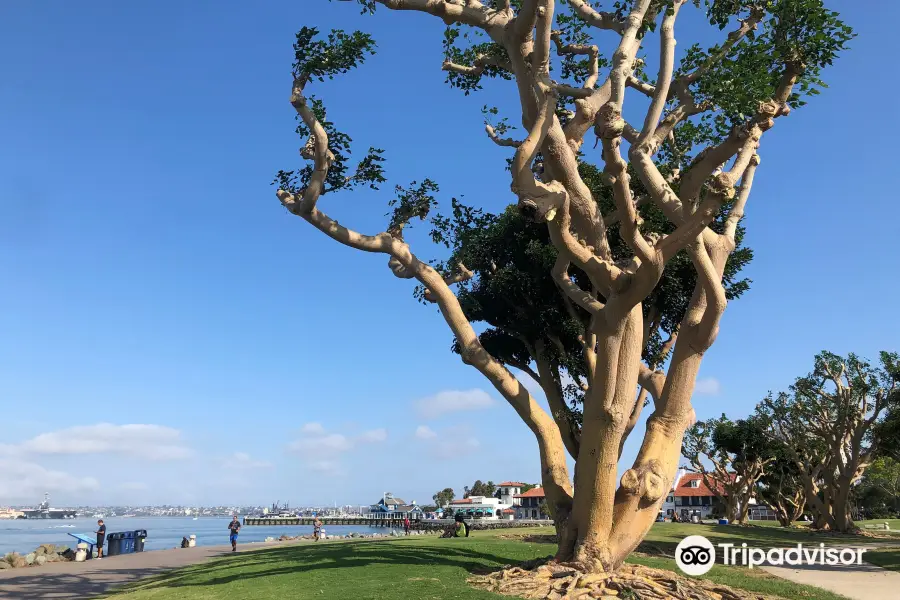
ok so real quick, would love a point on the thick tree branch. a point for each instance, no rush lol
(592, 17)
(666, 68)
(453, 12)
(571, 289)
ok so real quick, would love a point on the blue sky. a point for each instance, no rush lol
(151, 277)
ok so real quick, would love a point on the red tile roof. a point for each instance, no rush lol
(508, 511)
(684, 486)
(462, 501)
(511, 484)
(532, 493)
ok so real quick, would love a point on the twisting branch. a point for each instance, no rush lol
(571, 289)
(737, 211)
(477, 68)
(591, 51)
(711, 280)
(666, 68)
(463, 274)
(453, 12)
(508, 142)
(601, 20)
(641, 86)
(746, 26)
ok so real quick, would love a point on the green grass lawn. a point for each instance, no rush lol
(416, 567)
(889, 558)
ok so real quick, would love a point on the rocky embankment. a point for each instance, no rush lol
(43, 554)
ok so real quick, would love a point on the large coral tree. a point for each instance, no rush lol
(829, 424)
(692, 157)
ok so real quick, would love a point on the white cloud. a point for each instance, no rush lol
(312, 429)
(24, 481)
(332, 442)
(242, 460)
(375, 435)
(424, 432)
(153, 442)
(450, 401)
(708, 386)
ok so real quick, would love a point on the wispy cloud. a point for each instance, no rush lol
(424, 432)
(330, 442)
(451, 401)
(450, 443)
(23, 480)
(708, 386)
(374, 436)
(312, 429)
(152, 442)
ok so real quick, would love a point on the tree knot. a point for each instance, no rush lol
(609, 123)
(647, 480)
(722, 184)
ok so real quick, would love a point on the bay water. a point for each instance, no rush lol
(24, 535)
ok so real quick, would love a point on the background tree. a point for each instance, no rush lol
(827, 424)
(444, 497)
(480, 488)
(781, 487)
(732, 456)
(878, 494)
(692, 157)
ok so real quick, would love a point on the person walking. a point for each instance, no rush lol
(406, 525)
(101, 537)
(317, 529)
(234, 527)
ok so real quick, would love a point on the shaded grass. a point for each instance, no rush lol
(889, 558)
(416, 567)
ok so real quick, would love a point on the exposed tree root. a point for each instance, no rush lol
(561, 582)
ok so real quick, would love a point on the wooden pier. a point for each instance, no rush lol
(326, 521)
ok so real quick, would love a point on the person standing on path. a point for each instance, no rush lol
(101, 537)
(234, 527)
(406, 525)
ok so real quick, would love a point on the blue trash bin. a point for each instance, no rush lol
(127, 542)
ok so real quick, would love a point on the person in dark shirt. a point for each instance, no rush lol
(234, 527)
(101, 537)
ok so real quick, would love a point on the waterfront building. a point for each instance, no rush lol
(532, 504)
(389, 507)
(478, 507)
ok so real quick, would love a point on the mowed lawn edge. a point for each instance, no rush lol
(423, 567)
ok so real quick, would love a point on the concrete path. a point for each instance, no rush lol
(859, 582)
(95, 577)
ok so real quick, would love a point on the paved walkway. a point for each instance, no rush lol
(859, 582)
(95, 577)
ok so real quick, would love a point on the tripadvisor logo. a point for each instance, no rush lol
(695, 555)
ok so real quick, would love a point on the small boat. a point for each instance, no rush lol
(194, 519)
